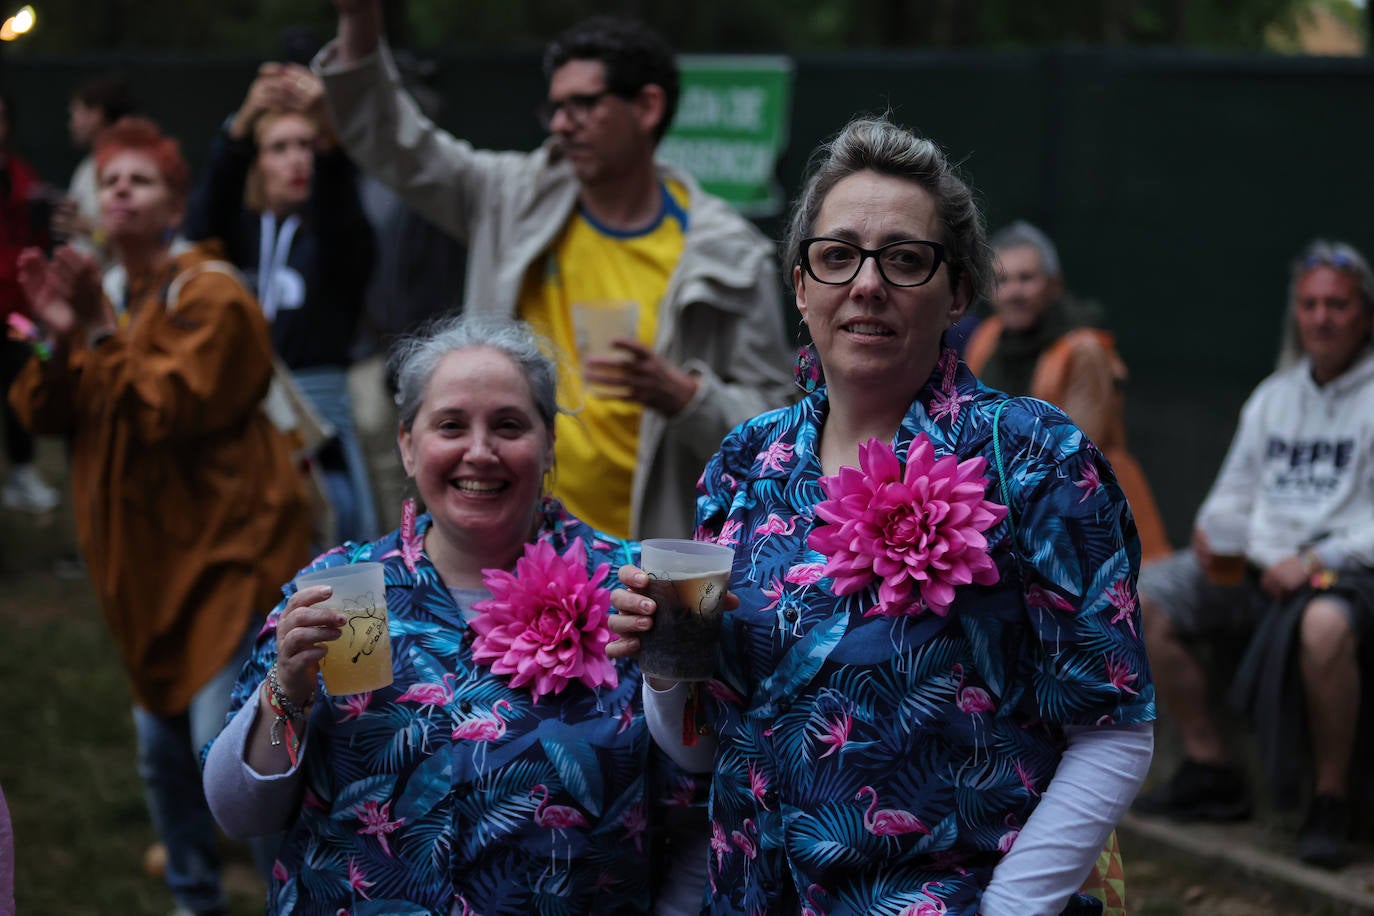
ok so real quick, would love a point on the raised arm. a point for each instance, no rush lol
(360, 28)
(217, 202)
(438, 175)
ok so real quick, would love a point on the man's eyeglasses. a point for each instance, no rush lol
(909, 262)
(578, 106)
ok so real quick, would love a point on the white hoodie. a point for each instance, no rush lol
(1301, 468)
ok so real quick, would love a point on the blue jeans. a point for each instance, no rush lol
(349, 487)
(169, 764)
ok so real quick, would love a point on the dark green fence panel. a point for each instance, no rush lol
(1177, 184)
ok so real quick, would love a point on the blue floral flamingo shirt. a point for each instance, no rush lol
(885, 763)
(452, 792)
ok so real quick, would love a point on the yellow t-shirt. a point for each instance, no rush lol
(592, 270)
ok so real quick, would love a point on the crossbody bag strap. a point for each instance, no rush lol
(1002, 470)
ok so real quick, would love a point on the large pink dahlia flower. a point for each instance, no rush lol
(916, 531)
(546, 624)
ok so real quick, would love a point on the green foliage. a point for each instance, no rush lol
(704, 25)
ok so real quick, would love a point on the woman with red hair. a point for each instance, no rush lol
(189, 512)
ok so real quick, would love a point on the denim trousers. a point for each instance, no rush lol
(169, 764)
(349, 487)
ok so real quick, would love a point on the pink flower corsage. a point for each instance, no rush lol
(546, 624)
(921, 528)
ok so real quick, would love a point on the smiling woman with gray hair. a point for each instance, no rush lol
(508, 766)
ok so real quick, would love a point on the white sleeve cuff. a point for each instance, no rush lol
(663, 710)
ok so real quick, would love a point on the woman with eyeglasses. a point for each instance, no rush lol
(932, 696)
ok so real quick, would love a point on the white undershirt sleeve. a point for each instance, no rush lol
(663, 709)
(1098, 776)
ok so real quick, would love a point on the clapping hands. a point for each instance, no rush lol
(64, 293)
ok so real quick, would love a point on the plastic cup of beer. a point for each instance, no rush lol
(1226, 539)
(360, 659)
(596, 323)
(688, 581)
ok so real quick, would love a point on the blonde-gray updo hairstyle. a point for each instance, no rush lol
(878, 145)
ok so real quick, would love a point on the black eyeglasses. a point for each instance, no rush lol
(578, 106)
(909, 262)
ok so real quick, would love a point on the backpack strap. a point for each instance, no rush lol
(172, 295)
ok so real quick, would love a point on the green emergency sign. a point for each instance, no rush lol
(731, 126)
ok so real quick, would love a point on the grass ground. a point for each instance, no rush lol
(67, 744)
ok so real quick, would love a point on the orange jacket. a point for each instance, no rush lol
(188, 510)
(1082, 374)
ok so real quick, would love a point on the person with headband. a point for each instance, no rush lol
(1283, 555)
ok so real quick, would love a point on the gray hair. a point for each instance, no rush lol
(1340, 256)
(414, 359)
(1022, 234)
(878, 145)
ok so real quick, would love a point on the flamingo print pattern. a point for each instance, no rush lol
(888, 821)
(484, 728)
(431, 694)
(451, 765)
(956, 751)
(972, 700)
(555, 817)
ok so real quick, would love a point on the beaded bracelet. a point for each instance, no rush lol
(1319, 575)
(22, 329)
(286, 712)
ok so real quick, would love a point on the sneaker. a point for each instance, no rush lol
(155, 860)
(25, 491)
(1199, 792)
(1325, 832)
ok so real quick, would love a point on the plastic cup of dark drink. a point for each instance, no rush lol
(688, 581)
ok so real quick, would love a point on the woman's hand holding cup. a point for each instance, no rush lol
(635, 616)
(634, 612)
(302, 631)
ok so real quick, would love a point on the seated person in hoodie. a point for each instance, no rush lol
(1292, 508)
